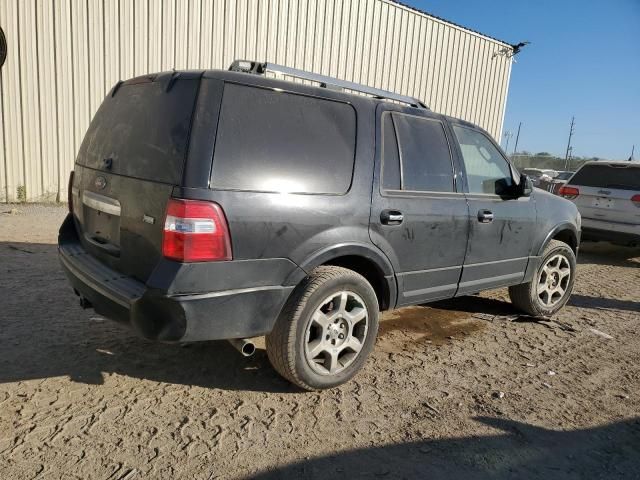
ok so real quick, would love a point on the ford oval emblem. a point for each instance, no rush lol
(100, 183)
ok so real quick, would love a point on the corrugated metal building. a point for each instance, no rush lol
(64, 55)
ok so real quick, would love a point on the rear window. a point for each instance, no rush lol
(622, 177)
(143, 129)
(273, 141)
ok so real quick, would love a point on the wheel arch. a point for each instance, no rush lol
(565, 232)
(363, 259)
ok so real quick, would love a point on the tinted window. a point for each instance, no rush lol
(425, 158)
(487, 170)
(623, 177)
(564, 176)
(280, 142)
(391, 157)
(143, 129)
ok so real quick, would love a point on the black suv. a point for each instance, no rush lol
(228, 205)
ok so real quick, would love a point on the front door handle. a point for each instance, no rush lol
(391, 217)
(485, 216)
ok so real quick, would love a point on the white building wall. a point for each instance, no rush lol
(64, 55)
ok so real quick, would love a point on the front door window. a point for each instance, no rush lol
(487, 170)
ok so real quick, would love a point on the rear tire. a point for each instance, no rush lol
(552, 284)
(326, 330)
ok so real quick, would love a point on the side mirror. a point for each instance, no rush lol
(525, 187)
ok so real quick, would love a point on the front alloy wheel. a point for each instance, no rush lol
(551, 287)
(553, 280)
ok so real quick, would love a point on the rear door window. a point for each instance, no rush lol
(621, 177)
(416, 154)
(274, 141)
(142, 130)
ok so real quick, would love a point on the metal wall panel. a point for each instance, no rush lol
(65, 55)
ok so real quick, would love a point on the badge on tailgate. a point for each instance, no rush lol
(100, 182)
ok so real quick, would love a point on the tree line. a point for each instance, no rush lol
(526, 159)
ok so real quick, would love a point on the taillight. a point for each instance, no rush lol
(568, 192)
(70, 192)
(195, 231)
(636, 200)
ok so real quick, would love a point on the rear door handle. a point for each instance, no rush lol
(485, 216)
(391, 217)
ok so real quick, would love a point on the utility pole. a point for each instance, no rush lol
(633, 148)
(515, 148)
(566, 157)
(508, 136)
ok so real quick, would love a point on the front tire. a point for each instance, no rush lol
(326, 330)
(551, 286)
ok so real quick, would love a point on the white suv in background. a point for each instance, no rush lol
(607, 195)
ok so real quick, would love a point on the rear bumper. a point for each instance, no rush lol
(156, 315)
(624, 233)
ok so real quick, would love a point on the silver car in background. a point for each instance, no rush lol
(607, 195)
(558, 181)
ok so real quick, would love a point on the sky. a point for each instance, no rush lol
(583, 60)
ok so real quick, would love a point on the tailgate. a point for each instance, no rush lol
(132, 156)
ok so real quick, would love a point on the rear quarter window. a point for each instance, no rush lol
(274, 141)
(622, 177)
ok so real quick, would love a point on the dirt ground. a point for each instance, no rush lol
(459, 389)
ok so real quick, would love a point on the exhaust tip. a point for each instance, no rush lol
(244, 346)
(248, 349)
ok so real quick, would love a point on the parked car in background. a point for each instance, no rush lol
(559, 180)
(534, 174)
(607, 195)
(546, 179)
(227, 205)
(539, 176)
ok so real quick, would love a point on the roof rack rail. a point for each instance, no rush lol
(248, 66)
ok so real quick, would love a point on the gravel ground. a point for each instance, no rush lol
(462, 388)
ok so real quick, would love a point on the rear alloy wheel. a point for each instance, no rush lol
(336, 332)
(327, 329)
(552, 284)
